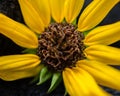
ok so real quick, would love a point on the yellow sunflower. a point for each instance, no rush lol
(63, 52)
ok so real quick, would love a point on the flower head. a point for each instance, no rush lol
(63, 51)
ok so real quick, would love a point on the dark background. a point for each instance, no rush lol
(23, 87)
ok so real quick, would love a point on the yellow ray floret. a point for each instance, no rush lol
(105, 35)
(103, 74)
(72, 9)
(31, 16)
(17, 32)
(105, 54)
(43, 9)
(79, 83)
(95, 13)
(14, 67)
(57, 9)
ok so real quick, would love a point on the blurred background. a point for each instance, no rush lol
(23, 87)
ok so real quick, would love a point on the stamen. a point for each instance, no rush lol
(60, 46)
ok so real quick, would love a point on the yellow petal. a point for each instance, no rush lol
(72, 9)
(103, 74)
(95, 13)
(31, 17)
(79, 83)
(57, 9)
(43, 9)
(17, 32)
(103, 35)
(15, 67)
(105, 54)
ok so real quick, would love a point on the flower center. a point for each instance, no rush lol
(60, 46)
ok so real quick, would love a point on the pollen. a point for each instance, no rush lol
(60, 46)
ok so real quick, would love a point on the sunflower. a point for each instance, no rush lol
(61, 47)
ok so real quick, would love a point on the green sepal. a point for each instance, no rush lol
(65, 94)
(86, 32)
(52, 20)
(64, 21)
(74, 22)
(32, 51)
(44, 75)
(35, 79)
(56, 79)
